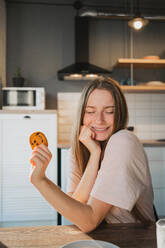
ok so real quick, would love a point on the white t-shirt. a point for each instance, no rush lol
(123, 179)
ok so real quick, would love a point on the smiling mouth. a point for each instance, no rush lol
(100, 129)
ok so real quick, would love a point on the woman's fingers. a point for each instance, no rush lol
(39, 160)
(43, 152)
(40, 154)
(40, 157)
(86, 133)
(35, 160)
(45, 148)
(33, 163)
(92, 134)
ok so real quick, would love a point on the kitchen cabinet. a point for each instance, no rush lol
(156, 160)
(0, 172)
(20, 201)
(64, 167)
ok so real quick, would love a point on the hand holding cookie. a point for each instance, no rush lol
(41, 156)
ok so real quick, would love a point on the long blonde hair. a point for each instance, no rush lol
(79, 151)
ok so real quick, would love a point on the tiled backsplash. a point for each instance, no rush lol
(147, 114)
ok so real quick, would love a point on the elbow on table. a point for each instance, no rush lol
(87, 227)
(89, 220)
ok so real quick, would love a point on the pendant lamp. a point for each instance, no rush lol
(138, 22)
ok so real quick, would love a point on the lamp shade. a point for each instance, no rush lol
(137, 23)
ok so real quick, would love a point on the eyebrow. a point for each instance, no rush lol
(109, 107)
(105, 107)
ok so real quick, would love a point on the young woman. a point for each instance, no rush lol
(108, 175)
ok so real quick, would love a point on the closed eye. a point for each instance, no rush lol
(89, 112)
(109, 112)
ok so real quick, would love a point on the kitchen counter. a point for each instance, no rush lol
(45, 111)
(152, 143)
(122, 235)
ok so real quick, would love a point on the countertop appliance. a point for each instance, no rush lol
(23, 98)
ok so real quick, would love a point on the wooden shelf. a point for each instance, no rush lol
(141, 63)
(143, 89)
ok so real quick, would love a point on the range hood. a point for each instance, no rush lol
(81, 69)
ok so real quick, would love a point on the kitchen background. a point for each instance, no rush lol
(40, 40)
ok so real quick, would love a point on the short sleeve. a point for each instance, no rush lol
(73, 173)
(121, 177)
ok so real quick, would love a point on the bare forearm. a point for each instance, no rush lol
(78, 213)
(84, 188)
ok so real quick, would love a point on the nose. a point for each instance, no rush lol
(99, 117)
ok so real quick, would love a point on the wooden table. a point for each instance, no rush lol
(123, 235)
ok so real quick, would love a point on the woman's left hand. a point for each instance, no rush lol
(39, 160)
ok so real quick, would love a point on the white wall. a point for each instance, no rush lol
(147, 114)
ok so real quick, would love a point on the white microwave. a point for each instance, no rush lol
(23, 98)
